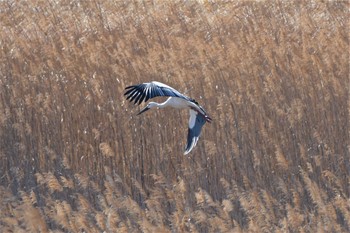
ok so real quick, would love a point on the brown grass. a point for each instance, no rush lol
(274, 75)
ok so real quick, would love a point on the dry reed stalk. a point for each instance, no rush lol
(343, 205)
(52, 183)
(67, 183)
(112, 219)
(81, 180)
(32, 218)
(227, 206)
(294, 218)
(106, 149)
(100, 219)
(314, 192)
(81, 222)
(84, 205)
(61, 217)
(281, 159)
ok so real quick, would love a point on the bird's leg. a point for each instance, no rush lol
(187, 90)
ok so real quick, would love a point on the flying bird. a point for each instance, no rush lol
(145, 91)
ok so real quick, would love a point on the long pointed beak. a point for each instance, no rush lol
(143, 110)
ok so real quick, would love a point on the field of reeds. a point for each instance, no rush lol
(273, 75)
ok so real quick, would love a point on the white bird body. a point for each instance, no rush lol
(198, 116)
(178, 103)
(173, 102)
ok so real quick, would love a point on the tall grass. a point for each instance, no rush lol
(273, 75)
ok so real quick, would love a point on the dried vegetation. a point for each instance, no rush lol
(274, 75)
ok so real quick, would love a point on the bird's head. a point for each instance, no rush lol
(148, 107)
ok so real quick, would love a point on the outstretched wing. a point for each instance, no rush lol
(146, 91)
(195, 125)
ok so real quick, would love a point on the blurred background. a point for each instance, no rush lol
(273, 75)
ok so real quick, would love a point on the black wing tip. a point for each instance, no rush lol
(132, 87)
(135, 94)
(190, 145)
(191, 141)
(187, 150)
(129, 87)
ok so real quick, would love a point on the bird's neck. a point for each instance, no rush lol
(162, 105)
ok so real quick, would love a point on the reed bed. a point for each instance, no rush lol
(274, 76)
